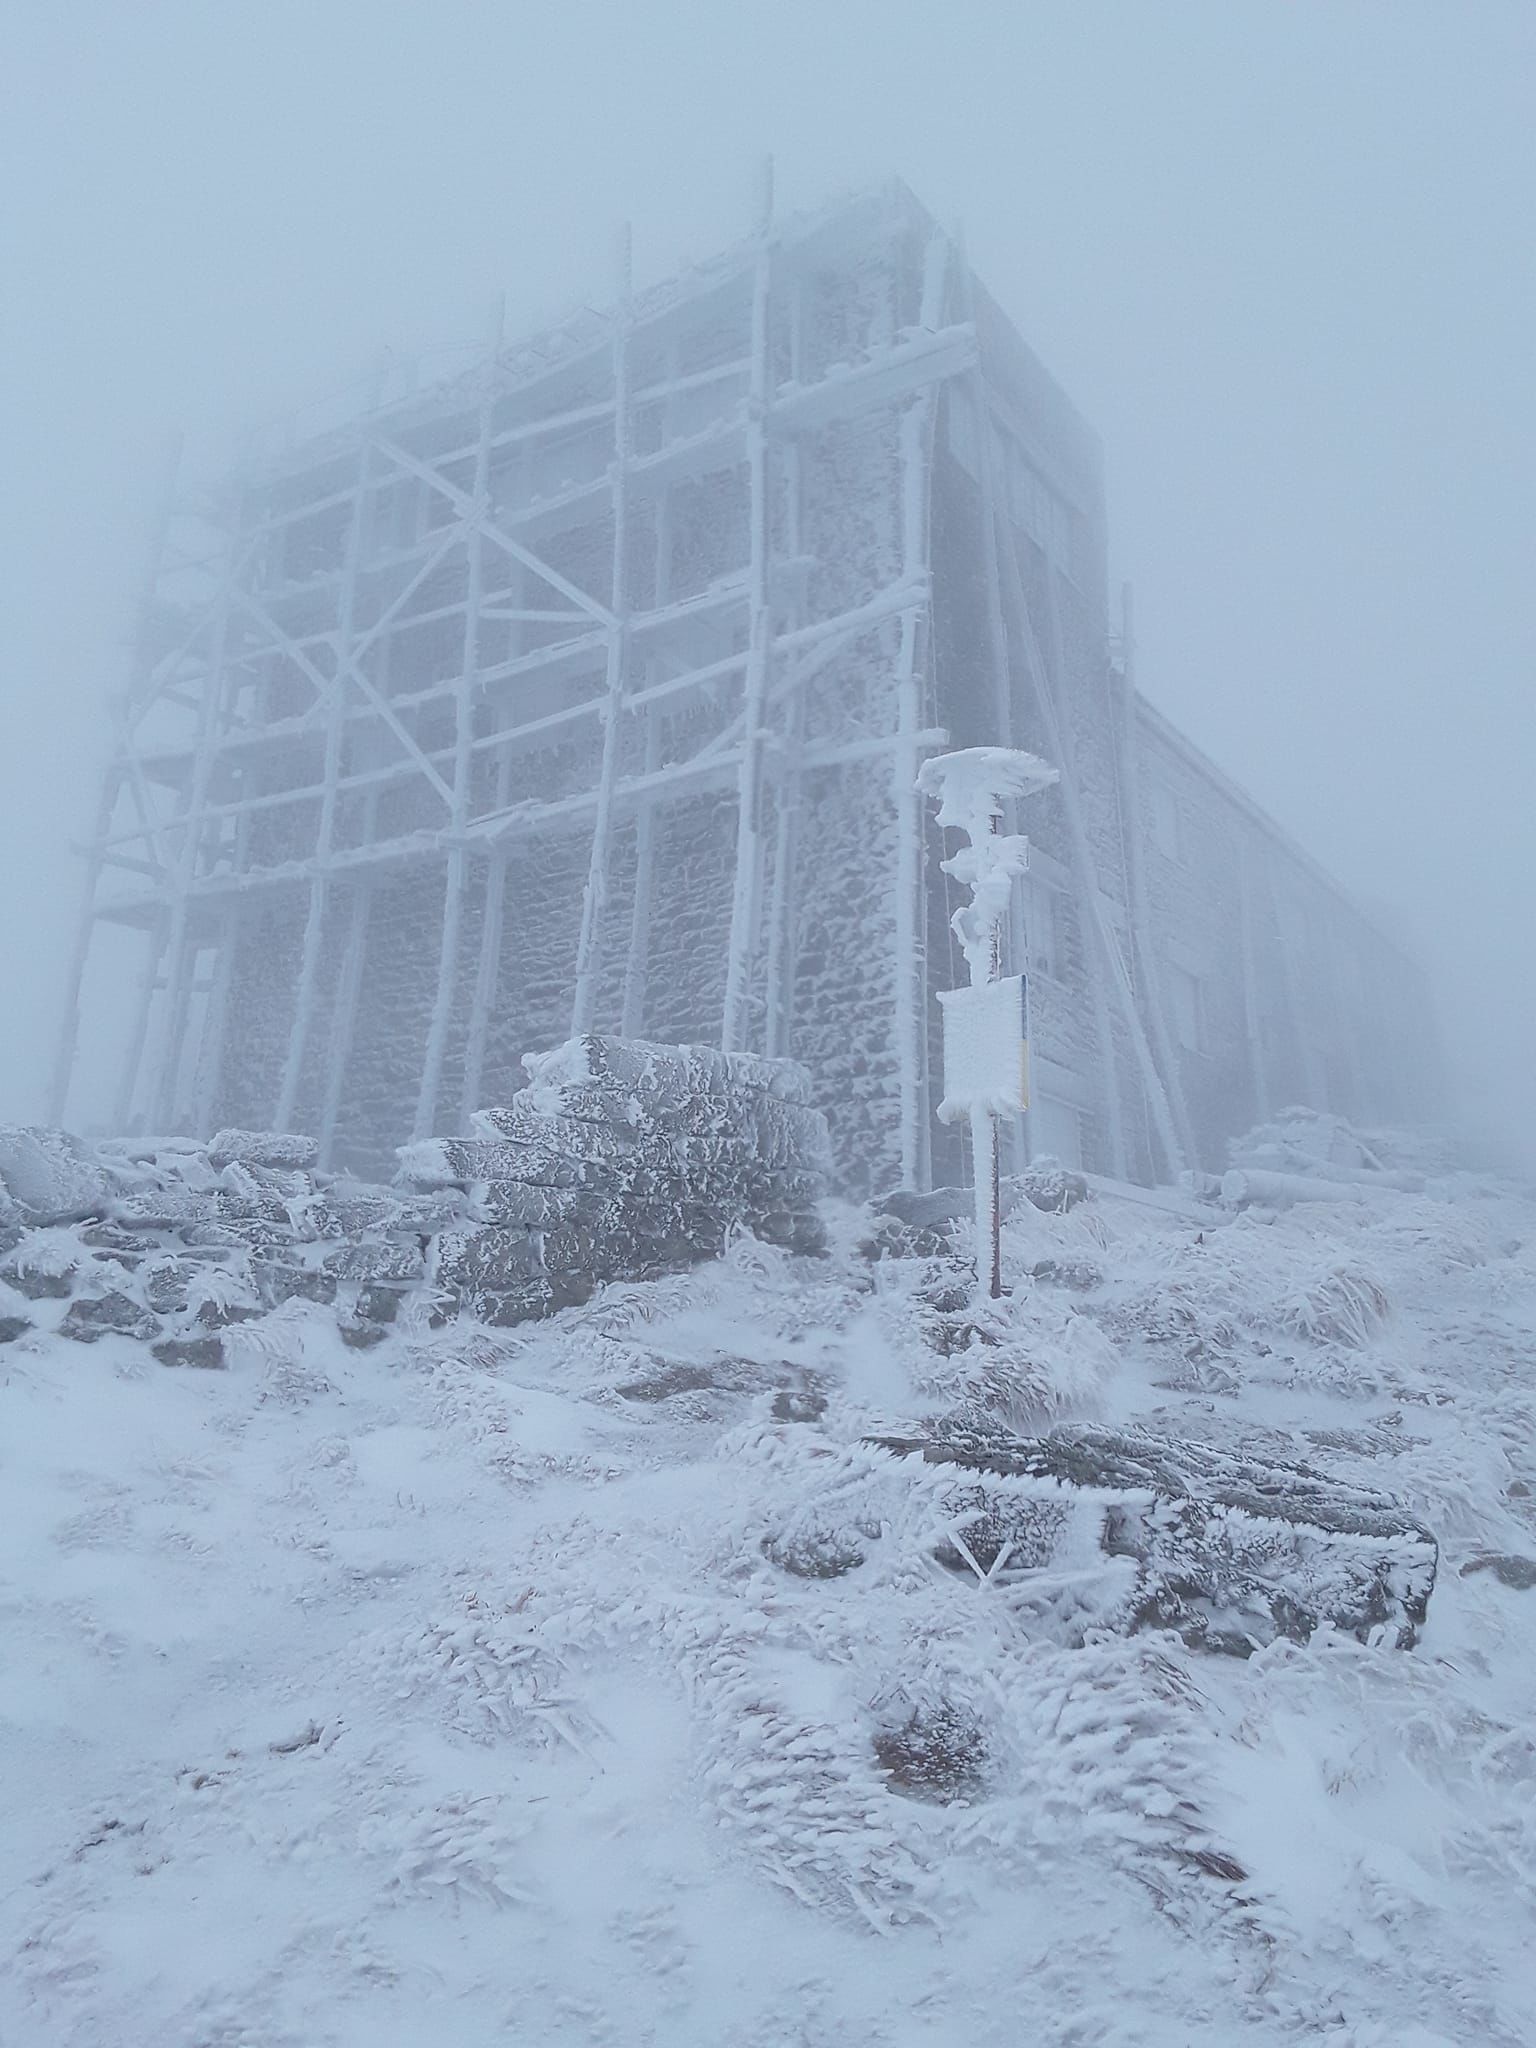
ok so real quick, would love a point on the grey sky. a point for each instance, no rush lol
(1281, 255)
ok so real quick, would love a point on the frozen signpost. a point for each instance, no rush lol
(986, 1026)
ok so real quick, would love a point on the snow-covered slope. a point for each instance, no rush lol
(597, 1683)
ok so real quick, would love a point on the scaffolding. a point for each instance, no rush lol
(544, 700)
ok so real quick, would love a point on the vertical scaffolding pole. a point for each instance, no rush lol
(911, 1023)
(335, 735)
(456, 880)
(746, 894)
(595, 895)
(210, 1055)
(154, 952)
(69, 1037)
(488, 967)
(780, 988)
(348, 991)
(637, 961)
(179, 958)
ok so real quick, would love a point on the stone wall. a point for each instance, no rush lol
(618, 1161)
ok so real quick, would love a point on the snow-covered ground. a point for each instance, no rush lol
(482, 1688)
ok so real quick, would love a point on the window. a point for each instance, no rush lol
(1185, 1008)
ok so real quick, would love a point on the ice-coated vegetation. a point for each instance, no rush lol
(604, 1680)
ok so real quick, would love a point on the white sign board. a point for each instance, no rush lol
(986, 1049)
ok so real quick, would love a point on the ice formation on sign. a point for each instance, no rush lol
(609, 1679)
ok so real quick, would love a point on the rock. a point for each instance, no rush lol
(205, 1354)
(167, 1208)
(277, 1281)
(936, 1211)
(12, 1327)
(887, 1237)
(659, 1077)
(104, 1315)
(221, 1315)
(376, 1260)
(1079, 1276)
(440, 1163)
(504, 1308)
(243, 1198)
(377, 1303)
(802, 1232)
(39, 1282)
(1516, 1572)
(938, 1753)
(167, 1283)
(1001, 1529)
(283, 1149)
(799, 1404)
(1047, 1184)
(49, 1175)
(539, 1208)
(491, 1260)
(270, 1238)
(361, 1336)
(1231, 1550)
(662, 1384)
(815, 1554)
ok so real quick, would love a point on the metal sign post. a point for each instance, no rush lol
(986, 1026)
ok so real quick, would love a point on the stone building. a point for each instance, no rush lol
(587, 688)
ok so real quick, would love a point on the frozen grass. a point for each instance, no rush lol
(551, 1685)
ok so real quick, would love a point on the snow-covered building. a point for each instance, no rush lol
(588, 687)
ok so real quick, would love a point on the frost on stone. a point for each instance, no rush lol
(1232, 1551)
(807, 1600)
(49, 1176)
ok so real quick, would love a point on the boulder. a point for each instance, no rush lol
(938, 1753)
(1047, 1184)
(286, 1150)
(165, 1208)
(107, 1315)
(278, 1281)
(380, 1259)
(1518, 1573)
(50, 1177)
(204, 1354)
(495, 1260)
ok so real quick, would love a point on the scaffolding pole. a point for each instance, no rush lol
(456, 879)
(595, 894)
(746, 894)
(911, 970)
(334, 694)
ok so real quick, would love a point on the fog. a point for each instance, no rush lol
(1281, 258)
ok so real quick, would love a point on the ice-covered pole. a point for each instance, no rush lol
(972, 788)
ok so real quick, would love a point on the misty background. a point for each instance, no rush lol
(1280, 255)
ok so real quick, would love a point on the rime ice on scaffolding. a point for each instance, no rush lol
(589, 687)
